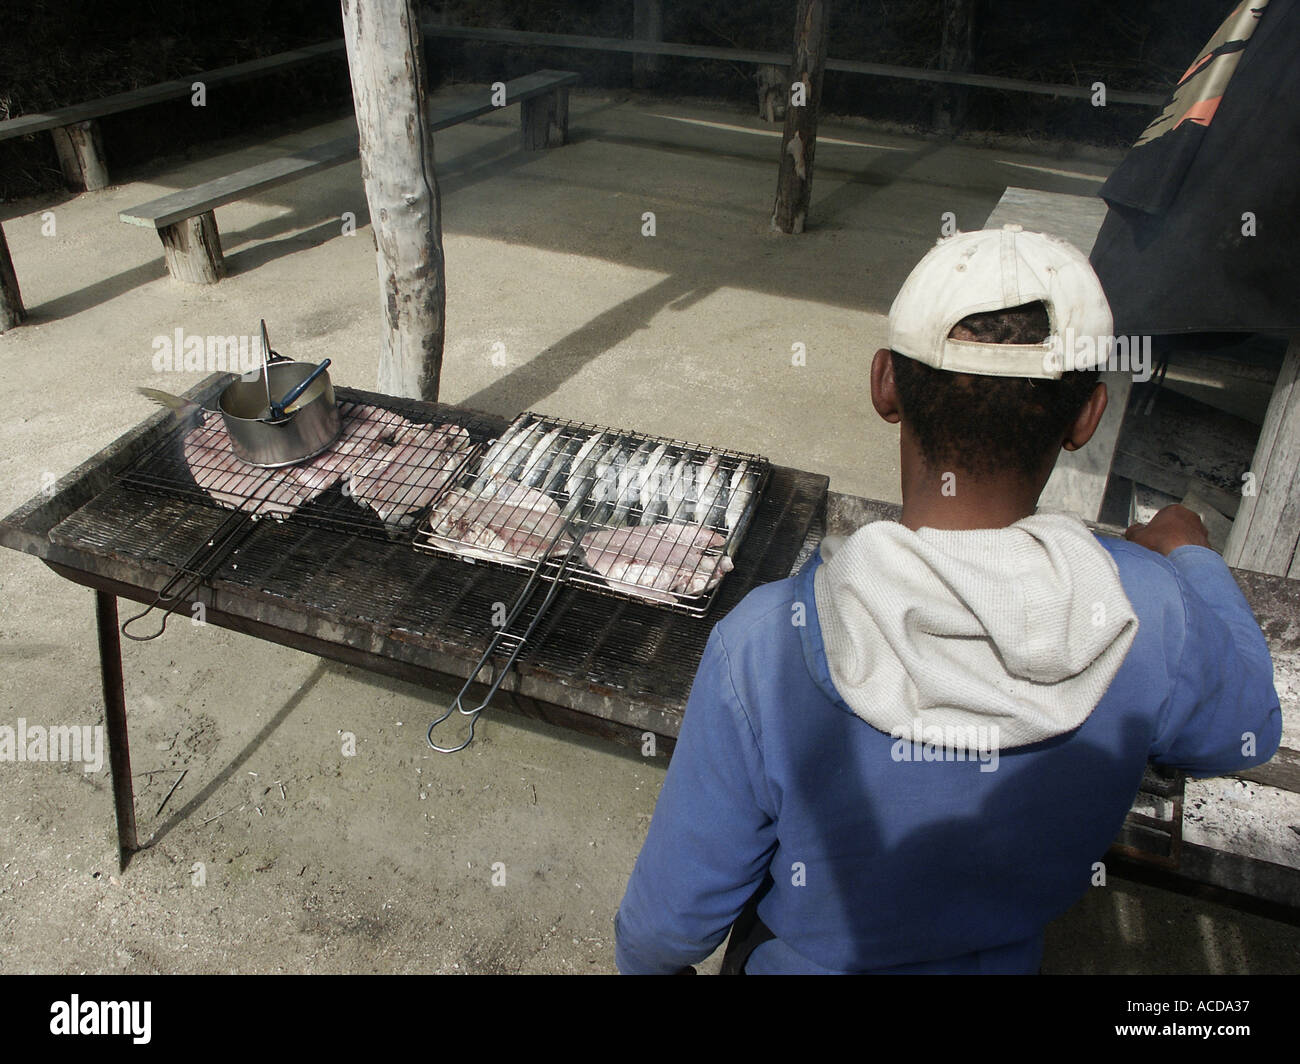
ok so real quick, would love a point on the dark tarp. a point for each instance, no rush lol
(1221, 161)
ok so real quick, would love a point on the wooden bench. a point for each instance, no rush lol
(76, 134)
(186, 220)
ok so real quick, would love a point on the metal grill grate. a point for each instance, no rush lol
(636, 516)
(381, 474)
(643, 517)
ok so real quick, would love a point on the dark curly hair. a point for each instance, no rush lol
(988, 425)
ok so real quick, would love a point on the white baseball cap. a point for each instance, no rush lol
(995, 269)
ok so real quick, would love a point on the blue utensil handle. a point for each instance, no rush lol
(278, 408)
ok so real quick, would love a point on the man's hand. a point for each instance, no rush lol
(1173, 527)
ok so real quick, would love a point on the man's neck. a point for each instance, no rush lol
(961, 501)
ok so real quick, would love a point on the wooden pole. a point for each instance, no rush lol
(956, 53)
(799, 142)
(81, 155)
(11, 301)
(1265, 535)
(192, 249)
(647, 25)
(389, 90)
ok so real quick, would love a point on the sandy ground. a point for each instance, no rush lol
(277, 852)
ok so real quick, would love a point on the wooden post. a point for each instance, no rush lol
(956, 53)
(389, 90)
(192, 248)
(11, 300)
(647, 25)
(81, 155)
(799, 142)
(544, 120)
(1266, 533)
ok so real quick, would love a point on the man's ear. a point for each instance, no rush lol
(1086, 423)
(884, 393)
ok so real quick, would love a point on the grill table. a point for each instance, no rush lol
(604, 665)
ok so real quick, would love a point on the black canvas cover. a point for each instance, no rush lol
(1203, 230)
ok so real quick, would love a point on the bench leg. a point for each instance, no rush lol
(81, 155)
(192, 248)
(11, 301)
(544, 120)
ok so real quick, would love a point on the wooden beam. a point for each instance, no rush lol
(166, 90)
(1266, 534)
(81, 155)
(544, 120)
(745, 55)
(1079, 478)
(390, 90)
(12, 311)
(647, 25)
(1078, 481)
(799, 141)
(956, 53)
(192, 248)
(188, 202)
(301, 162)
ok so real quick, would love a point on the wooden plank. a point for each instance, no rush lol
(744, 55)
(12, 311)
(647, 25)
(190, 202)
(200, 199)
(183, 87)
(166, 90)
(452, 113)
(192, 248)
(956, 53)
(544, 120)
(1282, 772)
(1267, 529)
(1074, 218)
(81, 155)
(1078, 480)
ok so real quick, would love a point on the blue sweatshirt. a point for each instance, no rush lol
(884, 861)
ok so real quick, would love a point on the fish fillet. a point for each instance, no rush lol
(653, 560)
(516, 521)
(392, 464)
(235, 483)
(401, 479)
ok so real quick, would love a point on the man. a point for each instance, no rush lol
(909, 757)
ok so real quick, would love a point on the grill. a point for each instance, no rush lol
(193, 462)
(623, 513)
(642, 518)
(336, 581)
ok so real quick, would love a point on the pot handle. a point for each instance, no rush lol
(278, 409)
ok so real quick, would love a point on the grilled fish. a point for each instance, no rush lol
(504, 447)
(540, 459)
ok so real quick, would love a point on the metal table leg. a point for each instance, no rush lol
(119, 750)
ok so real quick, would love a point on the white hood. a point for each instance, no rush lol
(1018, 629)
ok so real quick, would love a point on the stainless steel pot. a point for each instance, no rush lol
(304, 432)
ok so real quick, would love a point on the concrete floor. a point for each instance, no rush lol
(384, 861)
